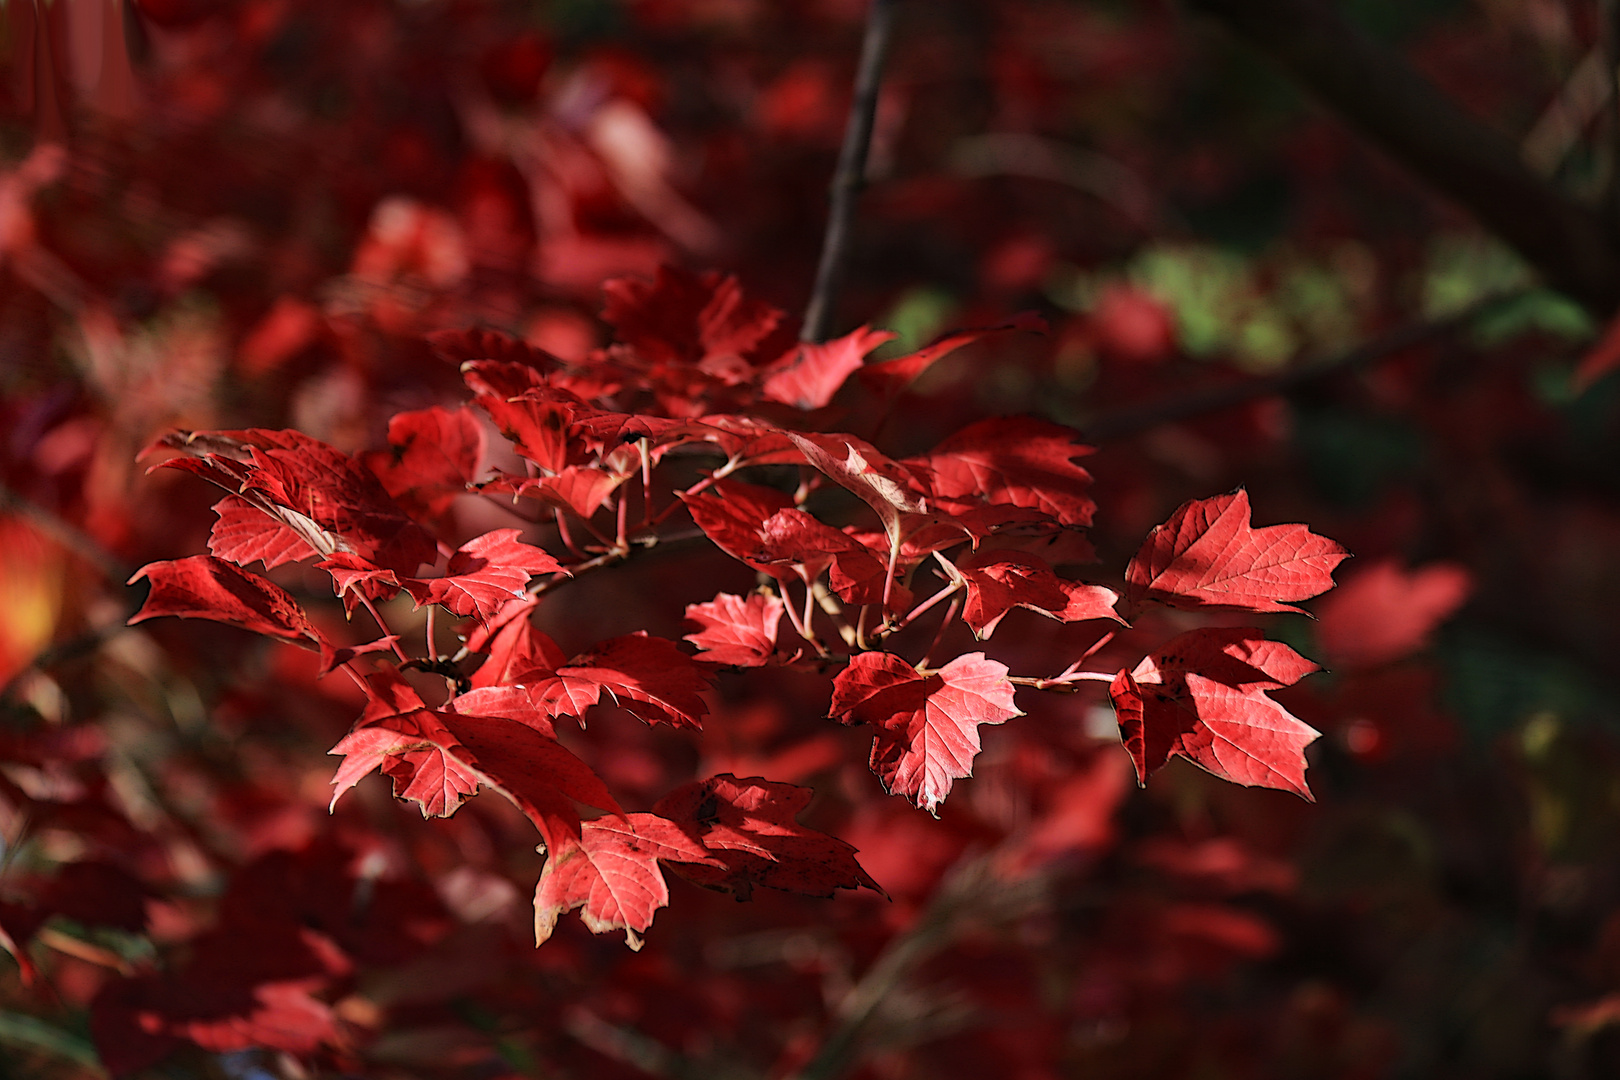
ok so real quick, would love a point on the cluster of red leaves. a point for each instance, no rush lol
(599, 442)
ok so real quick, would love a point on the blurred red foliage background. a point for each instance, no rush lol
(231, 215)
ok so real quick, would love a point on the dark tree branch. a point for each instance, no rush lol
(1475, 166)
(1128, 422)
(850, 176)
(1609, 48)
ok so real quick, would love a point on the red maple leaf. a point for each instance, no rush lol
(1384, 612)
(811, 373)
(682, 317)
(793, 541)
(749, 827)
(354, 578)
(513, 645)
(537, 423)
(580, 488)
(998, 581)
(438, 759)
(736, 630)
(1202, 696)
(1208, 555)
(893, 491)
(730, 515)
(433, 456)
(245, 533)
(418, 753)
(1017, 461)
(325, 497)
(927, 722)
(889, 378)
(611, 873)
(475, 343)
(484, 574)
(648, 677)
(203, 587)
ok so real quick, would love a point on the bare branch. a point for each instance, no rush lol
(850, 176)
(1127, 422)
(1475, 166)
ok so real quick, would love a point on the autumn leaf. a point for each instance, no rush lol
(477, 343)
(418, 753)
(484, 574)
(749, 827)
(433, 456)
(325, 497)
(681, 317)
(646, 676)
(354, 579)
(245, 533)
(611, 873)
(204, 587)
(1202, 696)
(1208, 555)
(1016, 461)
(998, 581)
(438, 759)
(1385, 612)
(731, 513)
(537, 423)
(811, 372)
(927, 722)
(512, 644)
(736, 630)
(582, 489)
(889, 378)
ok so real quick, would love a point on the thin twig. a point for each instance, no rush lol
(1373, 88)
(1127, 422)
(66, 534)
(850, 177)
(973, 891)
(1609, 12)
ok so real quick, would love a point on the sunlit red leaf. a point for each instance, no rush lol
(888, 378)
(1017, 461)
(1208, 555)
(749, 826)
(927, 723)
(484, 574)
(418, 753)
(1202, 696)
(203, 587)
(646, 676)
(244, 533)
(998, 581)
(731, 513)
(324, 496)
(611, 873)
(736, 630)
(582, 489)
(811, 373)
(432, 457)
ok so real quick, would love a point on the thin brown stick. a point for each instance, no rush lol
(1129, 422)
(850, 176)
(973, 891)
(1609, 13)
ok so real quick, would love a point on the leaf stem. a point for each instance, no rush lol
(377, 615)
(1062, 683)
